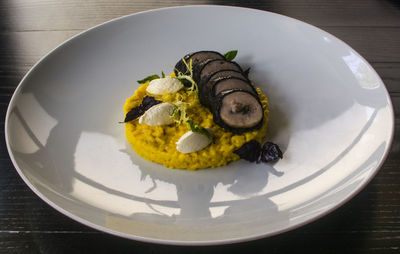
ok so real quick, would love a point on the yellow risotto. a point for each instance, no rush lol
(158, 143)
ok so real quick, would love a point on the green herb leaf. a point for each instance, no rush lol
(162, 74)
(197, 128)
(148, 78)
(230, 55)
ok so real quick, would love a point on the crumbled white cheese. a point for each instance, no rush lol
(163, 86)
(159, 114)
(192, 142)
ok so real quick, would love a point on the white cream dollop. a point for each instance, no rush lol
(163, 86)
(192, 142)
(159, 114)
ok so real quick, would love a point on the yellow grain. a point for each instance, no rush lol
(158, 143)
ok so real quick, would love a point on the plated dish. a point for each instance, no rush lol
(329, 112)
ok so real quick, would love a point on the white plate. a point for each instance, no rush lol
(330, 113)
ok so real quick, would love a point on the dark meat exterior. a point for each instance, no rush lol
(220, 85)
(198, 58)
(238, 111)
(223, 85)
(212, 66)
(224, 74)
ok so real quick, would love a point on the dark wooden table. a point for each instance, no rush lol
(369, 223)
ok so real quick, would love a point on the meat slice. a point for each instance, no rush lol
(207, 83)
(226, 74)
(219, 85)
(204, 56)
(197, 58)
(238, 111)
(212, 66)
(226, 84)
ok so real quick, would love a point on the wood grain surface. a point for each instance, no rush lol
(369, 223)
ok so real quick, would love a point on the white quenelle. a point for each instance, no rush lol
(192, 142)
(160, 114)
(163, 86)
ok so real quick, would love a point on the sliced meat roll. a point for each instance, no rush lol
(212, 66)
(238, 111)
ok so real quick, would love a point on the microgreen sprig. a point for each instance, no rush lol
(151, 77)
(181, 76)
